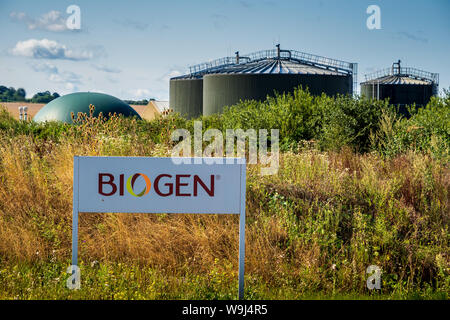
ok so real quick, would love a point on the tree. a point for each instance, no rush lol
(21, 92)
(11, 94)
(19, 95)
(44, 97)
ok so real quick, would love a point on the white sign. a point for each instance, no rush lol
(159, 185)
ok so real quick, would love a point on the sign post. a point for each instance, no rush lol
(160, 185)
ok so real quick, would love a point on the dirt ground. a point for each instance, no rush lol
(13, 108)
(33, 108)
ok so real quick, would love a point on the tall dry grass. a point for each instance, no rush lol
(320, 210)
(314, 226)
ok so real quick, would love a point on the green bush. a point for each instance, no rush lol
(13, 127)
(333, 122)
(349, 122)
(428, 130)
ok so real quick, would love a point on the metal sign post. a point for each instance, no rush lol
(160, 185)
(242, 232)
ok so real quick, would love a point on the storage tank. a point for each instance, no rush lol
(403, 86)
(186, 96)
(256, 81)
(255, 76)
(61, 109)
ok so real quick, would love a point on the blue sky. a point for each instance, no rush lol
(131, 48)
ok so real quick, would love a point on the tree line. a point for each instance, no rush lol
(12, 95)
(139, 102)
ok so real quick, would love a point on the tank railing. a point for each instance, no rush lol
(302, 57)
(378, 74)
(404, 71)
(207, 66)
(320, 61)
(213, 65)
(305, 58)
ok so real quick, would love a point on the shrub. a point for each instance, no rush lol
(348, 121)
(427, 131)
(333, 122)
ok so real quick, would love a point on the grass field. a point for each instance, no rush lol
(312, 229)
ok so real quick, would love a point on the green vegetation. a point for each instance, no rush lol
(357, 186)
(12, 95)
(143, 102)
(44, 97)
(333, 123)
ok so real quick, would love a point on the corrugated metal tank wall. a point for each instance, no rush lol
(186, 97)
(222, 90)
(399, 94)
(368, 91)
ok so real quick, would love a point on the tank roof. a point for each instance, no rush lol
(402, 75)
(398, 79)
(276, 61)
(274, 66)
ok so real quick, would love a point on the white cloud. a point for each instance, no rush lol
(68, 79)
(98, 91)
(71, 87)
(107, 69)
(173, 72)
(51, 21)
(112, 79)
(64, 77)
(49, 49)
(139, 94)
(45, 67)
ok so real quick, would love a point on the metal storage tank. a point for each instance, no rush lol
(186, 96)
(255, 76)
(61, 108)
(228, 80)
(403, 86)
(256, 81)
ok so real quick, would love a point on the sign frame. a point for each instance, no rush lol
(233, 161)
